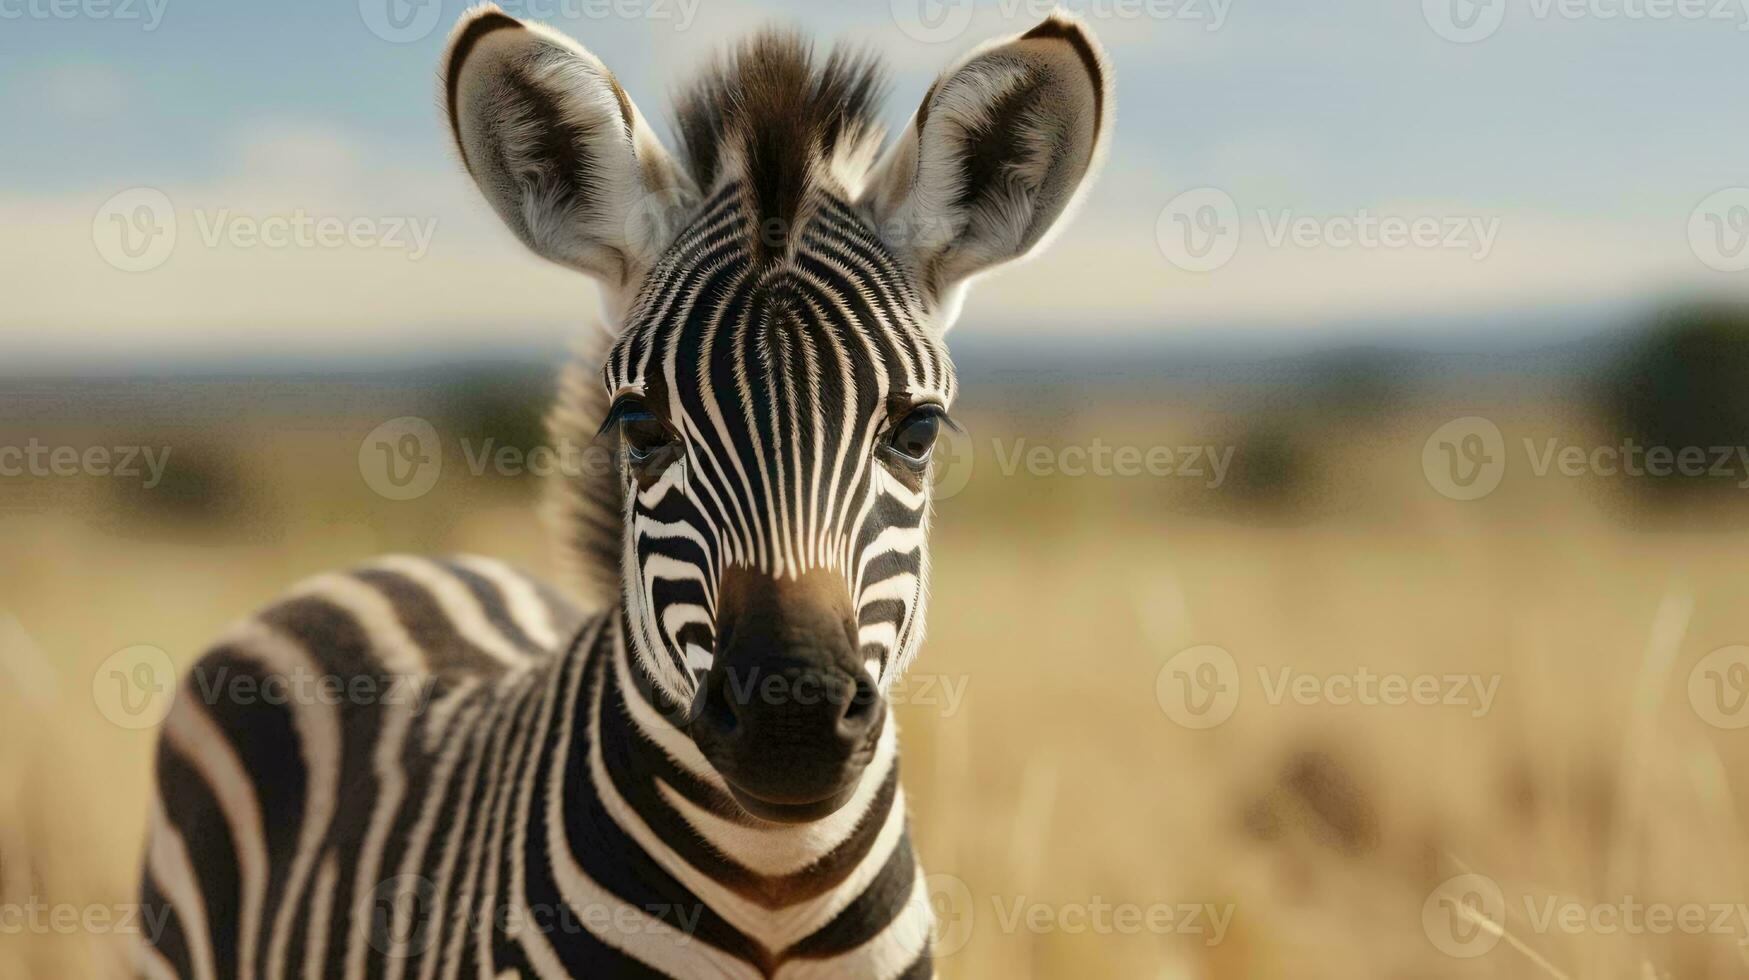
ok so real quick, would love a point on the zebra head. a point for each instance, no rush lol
(777, 290)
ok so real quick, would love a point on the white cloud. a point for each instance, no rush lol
(473, 284)
(78, 90)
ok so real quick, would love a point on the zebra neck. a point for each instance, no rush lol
(767, 879)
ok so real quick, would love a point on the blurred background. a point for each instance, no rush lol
(1342, 574)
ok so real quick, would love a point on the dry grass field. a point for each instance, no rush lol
(1531, 717)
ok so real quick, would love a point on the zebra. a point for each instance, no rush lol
(683, 763)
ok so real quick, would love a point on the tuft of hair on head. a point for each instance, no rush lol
(785, 126)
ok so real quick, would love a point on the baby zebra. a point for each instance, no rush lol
(686, 769)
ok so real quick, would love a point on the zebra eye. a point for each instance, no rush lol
(645, 436)
(914, 436)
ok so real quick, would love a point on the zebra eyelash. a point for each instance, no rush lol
(936, 409)
(617, 412)
(933, 410)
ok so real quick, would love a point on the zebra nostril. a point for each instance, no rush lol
(861, 710)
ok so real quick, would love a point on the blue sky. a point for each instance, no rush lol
(1584, 133)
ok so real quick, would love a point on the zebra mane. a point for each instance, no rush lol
(767, 114)
(586, 509)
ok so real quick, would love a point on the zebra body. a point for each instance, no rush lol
(438, 769)
(490, 804)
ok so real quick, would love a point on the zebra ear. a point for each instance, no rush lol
(995, 156)
(559, 150)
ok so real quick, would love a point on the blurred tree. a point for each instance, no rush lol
(506, 404)
(1683, 381)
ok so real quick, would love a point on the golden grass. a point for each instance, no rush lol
(1058, 781)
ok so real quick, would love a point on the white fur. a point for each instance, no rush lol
(613, 222)
(914, 192)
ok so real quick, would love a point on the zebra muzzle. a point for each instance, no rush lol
(790, 718)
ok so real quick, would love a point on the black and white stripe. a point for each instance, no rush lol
(399, 835)
(464, 775)
(782, 382)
